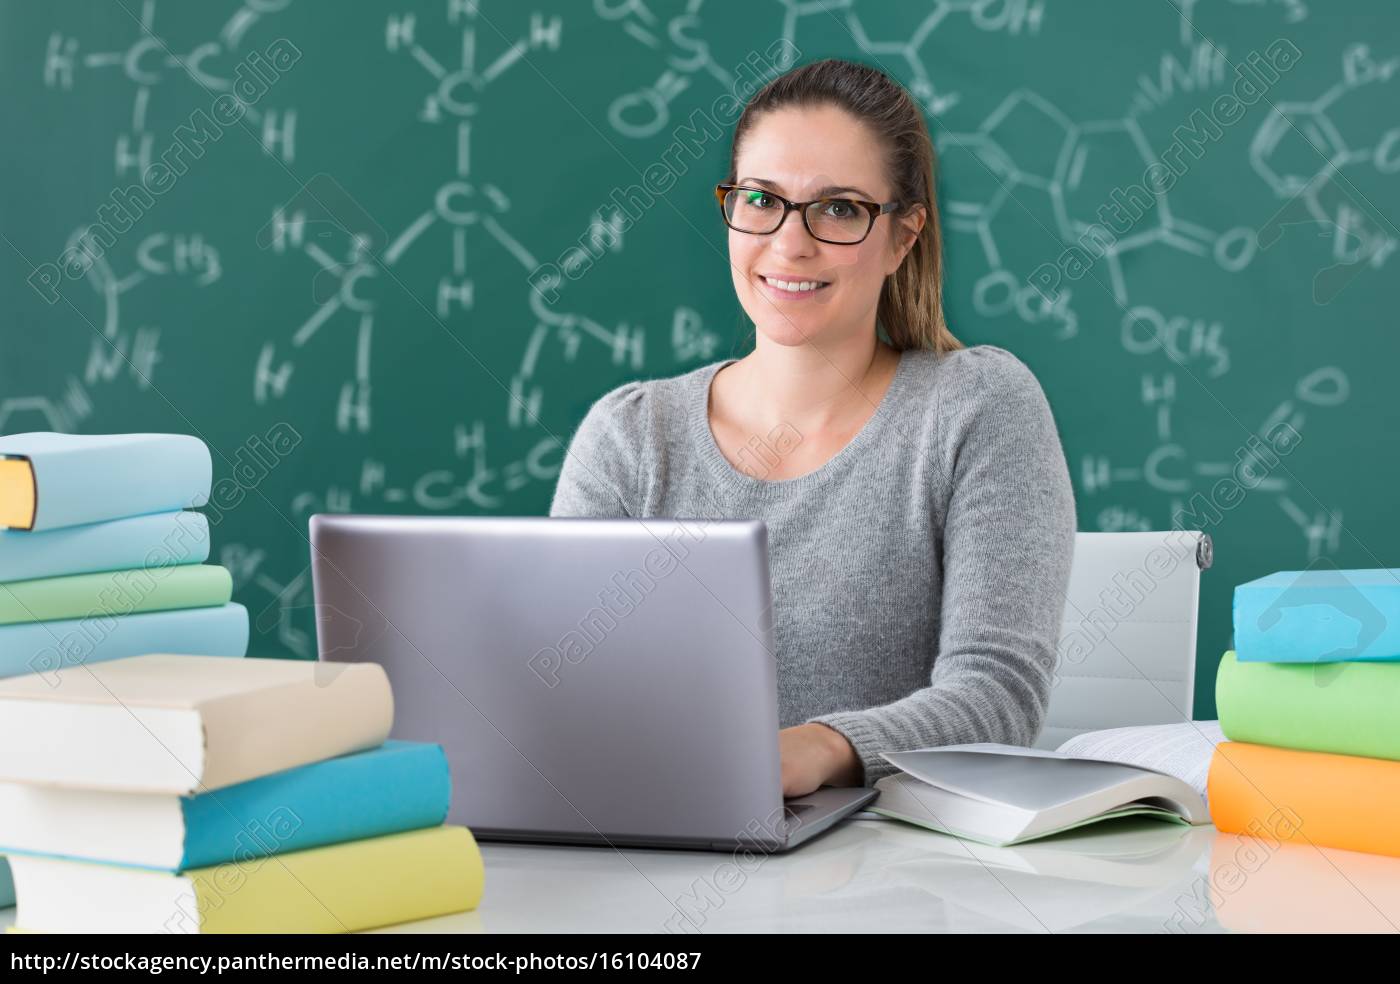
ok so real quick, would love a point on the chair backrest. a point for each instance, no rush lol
(1127, 652)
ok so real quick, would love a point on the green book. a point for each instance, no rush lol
(1346, 708)
(114, 593)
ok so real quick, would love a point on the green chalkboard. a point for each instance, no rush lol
(421, 237)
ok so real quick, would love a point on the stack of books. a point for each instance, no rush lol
(102, 556)
(164, 793)
(1310, 702)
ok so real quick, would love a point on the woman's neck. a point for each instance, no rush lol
(806, 386)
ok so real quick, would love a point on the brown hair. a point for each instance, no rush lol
(911, 299)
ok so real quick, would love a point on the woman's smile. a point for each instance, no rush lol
(791, 289)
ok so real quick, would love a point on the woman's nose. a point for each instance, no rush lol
(792, 237)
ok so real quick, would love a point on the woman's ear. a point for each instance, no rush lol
(908, 228)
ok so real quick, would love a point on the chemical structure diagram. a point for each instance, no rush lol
(114, 351)
(470, 483)
(905, 54)
(47, 412)
(1028, 146)
(1029, 143)
(1172, 470)
(149, 62)
(459, 205)
(646, 111)
(146, 64)
(186, 256)
(1301, 154)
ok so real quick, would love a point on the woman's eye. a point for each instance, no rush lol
(755, 198)
(839, 209)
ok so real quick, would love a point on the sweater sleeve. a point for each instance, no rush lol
(1008, 542)
(600, 469)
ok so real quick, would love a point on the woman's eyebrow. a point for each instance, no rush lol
(821, 192)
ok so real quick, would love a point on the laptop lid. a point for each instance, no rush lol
(592, 680)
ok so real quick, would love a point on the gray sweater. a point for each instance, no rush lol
(919, 576)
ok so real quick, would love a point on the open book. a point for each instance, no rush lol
(1006, 794)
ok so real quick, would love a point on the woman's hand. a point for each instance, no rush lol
(814, 755)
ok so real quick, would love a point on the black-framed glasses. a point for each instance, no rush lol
(843, 221)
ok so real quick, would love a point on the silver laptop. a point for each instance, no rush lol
(593, 681)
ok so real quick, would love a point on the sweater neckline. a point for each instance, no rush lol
(729, 475)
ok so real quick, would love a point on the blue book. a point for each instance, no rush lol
(153, 540)
(45, 647)
(1319, 616)
(50, 480)
(400, 785)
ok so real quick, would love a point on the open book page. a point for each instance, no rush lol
(1182, 750)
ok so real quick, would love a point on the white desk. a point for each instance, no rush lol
(880, 876)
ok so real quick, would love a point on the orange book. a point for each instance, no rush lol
(1316, 798)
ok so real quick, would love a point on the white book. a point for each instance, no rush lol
(1007, 794)
(186, 724)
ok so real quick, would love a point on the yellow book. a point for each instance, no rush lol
(336, 889)
(18, 499)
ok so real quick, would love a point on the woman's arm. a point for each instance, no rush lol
(1008, 542)
(599, 474)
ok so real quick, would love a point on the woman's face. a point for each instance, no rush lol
(803, 154)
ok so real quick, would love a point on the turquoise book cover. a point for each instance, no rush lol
(1323, 615)
(154, 540)
(44, 647)
(86, 478)
(396, 787)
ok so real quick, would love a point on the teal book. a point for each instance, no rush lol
(43, 647)
(50, 480)
(1319, 616)
(114, 593)
(397, 786)
(161, 539)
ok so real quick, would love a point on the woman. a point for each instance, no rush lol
(919, 511)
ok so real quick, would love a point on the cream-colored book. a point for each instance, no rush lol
(186, 724)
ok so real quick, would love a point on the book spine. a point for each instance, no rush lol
(45, 647)
(154, 540)
(114, 593)
(128, 476)
(396, 787)
(1343, 620)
